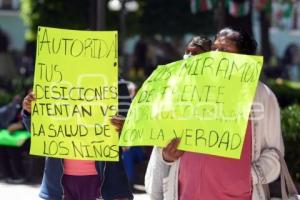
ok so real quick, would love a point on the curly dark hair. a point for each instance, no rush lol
(244, 42)
(201, 41)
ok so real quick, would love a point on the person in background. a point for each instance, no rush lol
(177, 175)
(66, 179)
(291, 62)
(132, 155)
(7, 67)
(198, 44)
(11, 159)
(9, 111)
(140, 57)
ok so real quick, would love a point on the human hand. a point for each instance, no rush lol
(118, 122)
(170, 153)
(27, 101)
(14, 127)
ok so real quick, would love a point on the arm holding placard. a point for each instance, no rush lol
(26, 113)
(157, 175)
(266, 168)
(118, 122)
(170, 153)
(162, 163)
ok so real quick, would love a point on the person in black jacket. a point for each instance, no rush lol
(11, 160)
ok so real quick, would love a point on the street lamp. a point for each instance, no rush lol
(114, 5)
(130, 5)
(123, 6)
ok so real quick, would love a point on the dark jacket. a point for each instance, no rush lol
(8, 113)
(114, 182)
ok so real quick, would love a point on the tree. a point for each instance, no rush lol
(264, 9)
(73, 14)
(238, 14)
(174, 18)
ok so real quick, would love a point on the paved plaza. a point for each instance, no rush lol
(30, 192)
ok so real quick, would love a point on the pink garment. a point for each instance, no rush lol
(206, 177)
(79, 167)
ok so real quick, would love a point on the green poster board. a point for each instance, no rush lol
(76, 86)
(205, 100)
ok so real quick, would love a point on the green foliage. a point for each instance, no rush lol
(17, 86)
(174, 18)
(288, 95)
(168, 17)
(60, 13)
(5, 97)
(290, 122)
(287, 92)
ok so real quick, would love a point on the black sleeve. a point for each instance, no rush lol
(124, 98)
(26, 119)
(8, 114)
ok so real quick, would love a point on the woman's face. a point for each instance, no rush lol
(225, 44)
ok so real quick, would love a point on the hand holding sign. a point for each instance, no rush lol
(30, 97)
(204, 100)
(118, 122)
(170, 153)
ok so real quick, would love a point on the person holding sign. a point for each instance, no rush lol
(89, 180)
(198, 44)
(176, 175)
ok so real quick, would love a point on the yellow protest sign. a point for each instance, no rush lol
(205, 100)
(76, 87)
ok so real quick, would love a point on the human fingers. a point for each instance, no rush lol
(174, 145)
(31, 96)
(115, 120)
(169, 146)
(178, 154)
(27, 105)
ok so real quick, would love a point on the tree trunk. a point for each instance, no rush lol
(101, 15)
(264, 35)
(220, 14)
(97, 16)
(241, 23)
